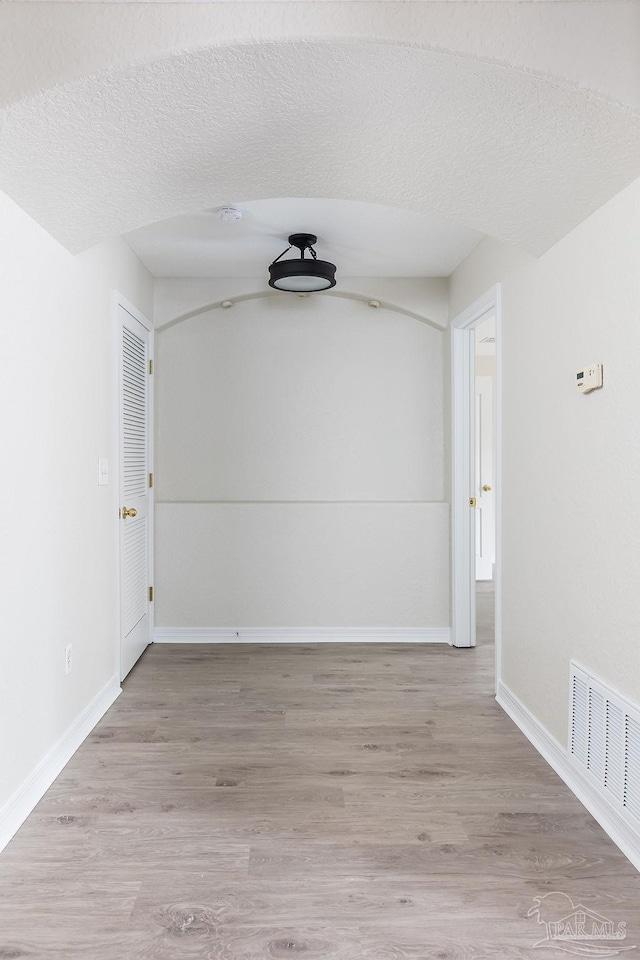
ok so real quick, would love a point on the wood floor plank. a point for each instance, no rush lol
(334, 801)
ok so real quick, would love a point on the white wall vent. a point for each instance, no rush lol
(604, 741)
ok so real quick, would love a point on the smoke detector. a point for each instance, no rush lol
(228, 214)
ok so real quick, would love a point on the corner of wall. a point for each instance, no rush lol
(115, 263)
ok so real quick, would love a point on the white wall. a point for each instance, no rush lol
(302, 565)
(300, 468)
(486, 367)
(571, 527)
(57, 527)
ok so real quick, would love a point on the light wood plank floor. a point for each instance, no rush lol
(347, 801)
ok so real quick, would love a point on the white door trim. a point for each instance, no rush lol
(462, 475)
(121, 301)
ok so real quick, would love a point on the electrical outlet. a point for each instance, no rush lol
(67, 659)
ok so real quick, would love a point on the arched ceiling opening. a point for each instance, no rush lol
(511, 154)
(215, 307)
(363, 239)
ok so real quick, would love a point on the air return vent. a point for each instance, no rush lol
(604, 741)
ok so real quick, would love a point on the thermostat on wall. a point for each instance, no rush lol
(589, 378)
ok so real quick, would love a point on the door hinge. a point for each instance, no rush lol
(150, 479)
(473, 502)
(150, 594)
(150, 366)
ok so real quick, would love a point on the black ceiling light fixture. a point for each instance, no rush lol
(303, 275)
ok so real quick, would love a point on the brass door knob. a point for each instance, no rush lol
(129, 512)
(486, 488)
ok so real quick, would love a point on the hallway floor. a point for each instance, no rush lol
(324, 801)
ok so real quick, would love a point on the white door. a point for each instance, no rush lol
(135, 490)
(485, 510)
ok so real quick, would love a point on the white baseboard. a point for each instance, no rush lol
(302, 635)
(620, 831)
(19, 806)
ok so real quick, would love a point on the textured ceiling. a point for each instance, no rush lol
(505, 153)
(593, 45)
(362, 239)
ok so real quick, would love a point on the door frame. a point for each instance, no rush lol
(119, 300)
(462, 468)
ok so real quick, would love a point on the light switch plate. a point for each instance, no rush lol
(103, 472)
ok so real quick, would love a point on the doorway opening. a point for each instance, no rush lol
(484, 471)
(476, 460)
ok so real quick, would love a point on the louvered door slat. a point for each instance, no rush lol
(136, 585)
(134, 387)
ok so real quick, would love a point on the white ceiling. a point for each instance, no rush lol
(362, 239)
(590, 45)
(507, 153)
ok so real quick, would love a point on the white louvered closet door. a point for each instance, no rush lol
(135, 513)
